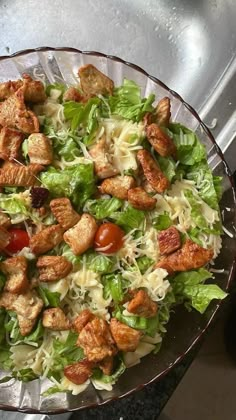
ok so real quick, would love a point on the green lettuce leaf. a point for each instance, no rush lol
(52, 390)
(189, 287)
(49, 298)
(167, 165)
(144, 263)
(148, 325)
(13, 204)
(2, 327)
(12, 326)
(114, 286)
(98, 262)
(129, 218)
(196, 210)
(99, 375)
(162, 222)
(127, 102)
(189, 148)
(24, 375)
(56, 86)
(76, 182)
(103, 208)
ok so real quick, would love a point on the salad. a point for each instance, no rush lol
(109, 219)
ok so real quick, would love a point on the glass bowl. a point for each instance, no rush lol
(184, 329)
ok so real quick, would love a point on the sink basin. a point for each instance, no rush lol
(189, 45)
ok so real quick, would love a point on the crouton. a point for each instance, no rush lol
(64, 212)
(15, 269)
(81, 236)
(46, 239)
(79, 372)
(102, 164)
(117, 186)
(55, 319)
(93, 82)
(139, 199)
(40, 149)
(10, 142)
(152, 171)
(126, 338)
(142, 305)
(52, 268)
(82, 319)
(33, 89)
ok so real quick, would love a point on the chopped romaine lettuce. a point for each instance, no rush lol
(14, 204)
(49, 298)
(189, 287)
(148, 325)
(129, 218)
(144, 263)
(76, 182)
(167, 165)
(56, 87)
(189, 148)
(127, 102)
(97, 373)
(162, 222)
(114, 286)
(196, 210)
(103, 208)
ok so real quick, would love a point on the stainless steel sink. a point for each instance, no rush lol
(188, 44)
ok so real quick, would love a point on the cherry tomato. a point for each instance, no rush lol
(19, 240)
(110, 237)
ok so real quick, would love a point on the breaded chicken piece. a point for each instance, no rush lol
(52, 268)
(118, 186)
(64, 212)
(160, 141)
(169, 240)
(82, 319)
(79, 372)
(15, 269)
(96, 340)
(10, 142)
(46, 239)
(73, 94)
(55, 319)
(93, 82)
(126, 338)
(142, 305)
(27, 307)
(152, 171)
(33, 89)
(102, 165)
(189, 257)
(5, 221)
(162, 112)
(106, 365)
(4, 238)
(40, 149)
(14, 175)
(14, 114)
(139, 199)
(81, 236)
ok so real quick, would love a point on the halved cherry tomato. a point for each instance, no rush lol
(109, 238)
(19, 240)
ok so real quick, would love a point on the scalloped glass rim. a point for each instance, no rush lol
(61, 63)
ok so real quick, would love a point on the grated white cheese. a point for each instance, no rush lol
(67, 385)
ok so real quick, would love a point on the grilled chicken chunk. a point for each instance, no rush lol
(14, 114)
(169, 240)
(46, 239)
(93, 82)
(10, 142)
(79, 372)
(27, 307)
(33, 89)
(55, 319)
(5, 222)
(40, 149)
(152, 171)
(64, 212)
(14, 175)
(139, 199)
(189, 257)
(163, 112)
(82, 319)
(118, 186)
(160, 141)
(142, 305)
(52, 268)
(4, 238)
(73, 94)
(15, 269)
(126, 338)
(96, 340)
(81, 236)
(102, 165)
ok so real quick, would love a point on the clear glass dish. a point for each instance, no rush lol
(184, 329)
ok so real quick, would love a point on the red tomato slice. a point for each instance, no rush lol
(109, 238)
(19, 240)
